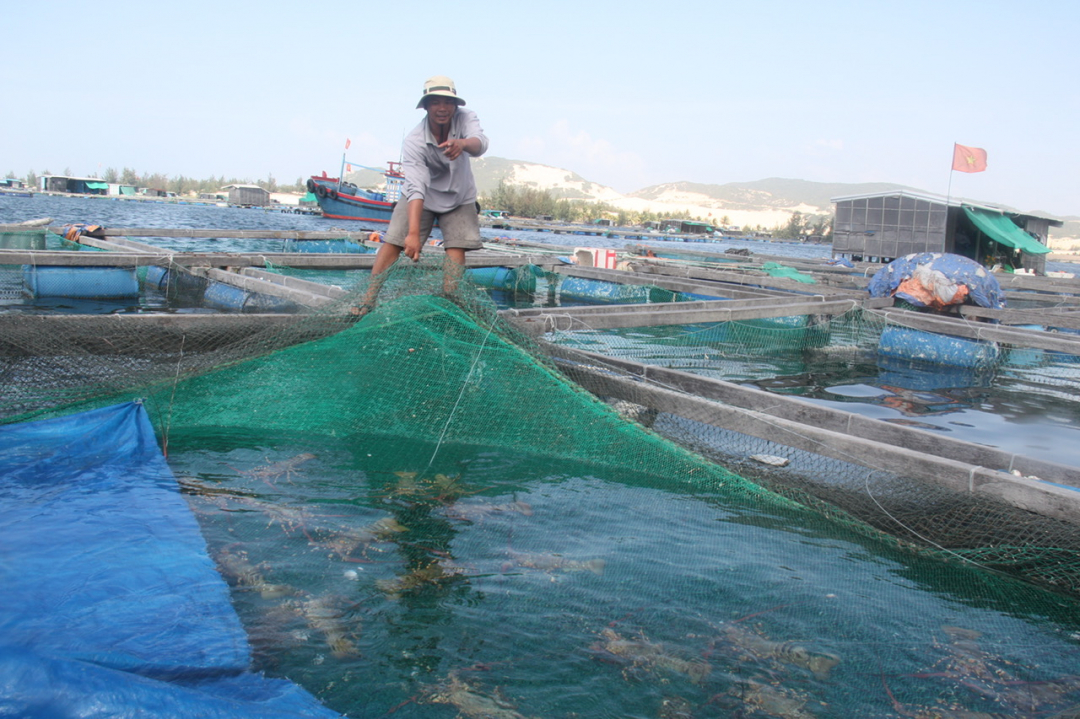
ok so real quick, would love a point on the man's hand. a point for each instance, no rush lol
(413, 246)
(452, 148)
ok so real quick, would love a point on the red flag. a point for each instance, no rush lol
(968, 159)
(348, 167)
(347, 143)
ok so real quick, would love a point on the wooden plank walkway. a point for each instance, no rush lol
(538, 321)
(1059, 317)
(729, 290)
(308, 260)
(194, 234)
(743, 276)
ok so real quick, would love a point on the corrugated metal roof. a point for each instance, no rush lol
(950, 201)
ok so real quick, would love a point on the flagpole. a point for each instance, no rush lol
(341, 173)
(948, 199)
(952, 171)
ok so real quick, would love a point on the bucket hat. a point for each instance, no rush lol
(439, 85)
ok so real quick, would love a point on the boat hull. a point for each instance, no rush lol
(340, 205)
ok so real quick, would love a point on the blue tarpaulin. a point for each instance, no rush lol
(109, 603)
(935, 279)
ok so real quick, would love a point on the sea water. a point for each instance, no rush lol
(537, 587)
(120, 213)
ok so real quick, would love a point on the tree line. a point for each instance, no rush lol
(178, 184)
(523, 201)
(800, 226)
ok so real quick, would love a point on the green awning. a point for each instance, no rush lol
(97, 185)
(1001, 229)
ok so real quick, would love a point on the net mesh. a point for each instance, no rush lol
(777, 354)
(419, 506)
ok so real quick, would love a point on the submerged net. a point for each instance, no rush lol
(801, 356)
(422, 514)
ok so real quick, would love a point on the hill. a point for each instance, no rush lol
(766, 203)
(562, 184)
(772, 193)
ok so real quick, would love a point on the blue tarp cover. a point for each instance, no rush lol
(109, 603)
(932, 279)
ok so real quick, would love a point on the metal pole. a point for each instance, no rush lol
(952, 171)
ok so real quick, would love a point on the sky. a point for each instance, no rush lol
(627, 95)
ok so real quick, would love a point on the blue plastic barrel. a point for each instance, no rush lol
(156, 277)
(914, 376)
(916, 345)
(80, 282)
(518, 279)
(498, 278)
(225, 297)
(580, 288)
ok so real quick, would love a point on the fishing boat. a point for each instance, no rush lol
(341, 200)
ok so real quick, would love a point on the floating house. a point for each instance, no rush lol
(686, 227)
(247, 195)
(879, 227)
(83, 185)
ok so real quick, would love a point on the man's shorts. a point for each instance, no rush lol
(460, 226)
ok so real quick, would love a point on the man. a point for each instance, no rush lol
(438, 183)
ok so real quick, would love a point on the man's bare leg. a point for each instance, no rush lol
(455, 269)
(386, 256)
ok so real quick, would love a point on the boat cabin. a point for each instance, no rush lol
(880, 227)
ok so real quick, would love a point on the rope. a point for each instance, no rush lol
(172, 399)
(461, 393)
